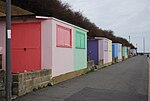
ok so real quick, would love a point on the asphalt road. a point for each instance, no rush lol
(124, 81)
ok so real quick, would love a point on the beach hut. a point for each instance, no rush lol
(80, 48)
(25, 44)
(128, 51)
(1, 48)
(68, 48)
(100, 51)
(58, 52)
(2, 44)
(15, 11)
(119, 52)
(103, 50)
(133, 51)
(109, 51)
(46, 43)
(124, 52)
(116, 52)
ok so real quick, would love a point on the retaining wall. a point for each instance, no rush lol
(27, 82)
(2, 84)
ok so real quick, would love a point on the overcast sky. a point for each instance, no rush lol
(124, 17)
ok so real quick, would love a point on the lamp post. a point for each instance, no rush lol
(129, 38)
(136, 47)
(8, 52)
(144, 45)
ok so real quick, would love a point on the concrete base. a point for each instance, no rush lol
(119, 60)
(67, 76)
(100, 64)
(90, 65)
(116, 60)
(131, 55)
(107, 64)
(113, 61)
(123, 58)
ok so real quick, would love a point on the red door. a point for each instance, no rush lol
(26, 47)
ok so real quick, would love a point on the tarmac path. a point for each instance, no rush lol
(124, 81)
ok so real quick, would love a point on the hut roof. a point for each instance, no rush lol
(15, 11)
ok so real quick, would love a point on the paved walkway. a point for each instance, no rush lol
(149, 80)
(125, 81)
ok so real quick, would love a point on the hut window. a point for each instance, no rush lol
(80, 40)
(63, 37)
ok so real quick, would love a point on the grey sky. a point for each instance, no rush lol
(124, 17)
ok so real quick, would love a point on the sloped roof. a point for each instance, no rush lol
(15, 11)
(2, 14)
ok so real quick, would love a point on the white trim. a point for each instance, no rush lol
(41, 17)
(101, 38)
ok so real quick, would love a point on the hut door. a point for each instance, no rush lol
(105, 51)
(26, 47)
(93, 50)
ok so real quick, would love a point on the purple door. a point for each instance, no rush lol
(92, 50)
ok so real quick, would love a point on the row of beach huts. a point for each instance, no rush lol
(48, 43)
(104, 52)
(46, 51)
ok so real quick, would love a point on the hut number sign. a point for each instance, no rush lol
(9, 34)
